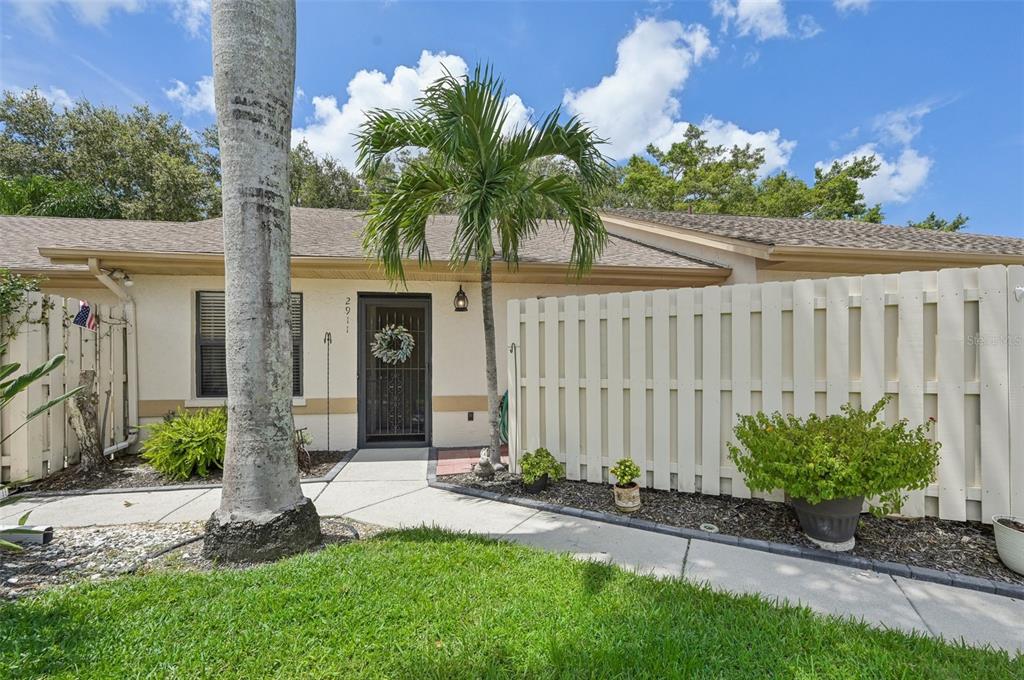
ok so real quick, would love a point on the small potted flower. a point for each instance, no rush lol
(828, 466)
(626, 490)
(1009, 533)
(539, 467)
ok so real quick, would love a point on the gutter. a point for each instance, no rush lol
(119, 289)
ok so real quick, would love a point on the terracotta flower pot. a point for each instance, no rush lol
(831, 524)
(627, 498)
(1009, 541)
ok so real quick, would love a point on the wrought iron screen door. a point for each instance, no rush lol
(394, 397)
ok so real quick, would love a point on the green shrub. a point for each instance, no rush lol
(625, 471)
(842, 455)
(539, 463)
(190, 443)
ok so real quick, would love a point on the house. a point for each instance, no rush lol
(173, 274)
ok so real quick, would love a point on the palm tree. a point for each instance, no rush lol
(500, 182)
(262, 513)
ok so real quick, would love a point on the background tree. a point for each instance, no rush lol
(263, 514)
(490, 180)
(138, 165)
(320, 182)
(695, 175)
(936, 223)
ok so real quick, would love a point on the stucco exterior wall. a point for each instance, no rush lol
(166, 331)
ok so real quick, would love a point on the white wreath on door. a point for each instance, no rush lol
(392, 344)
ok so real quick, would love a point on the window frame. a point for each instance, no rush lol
(297, 346)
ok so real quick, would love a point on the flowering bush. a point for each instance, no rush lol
(625, 471)
(842, 455)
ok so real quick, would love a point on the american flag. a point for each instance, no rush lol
(85, 317)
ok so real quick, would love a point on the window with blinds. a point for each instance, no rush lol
(211, 367)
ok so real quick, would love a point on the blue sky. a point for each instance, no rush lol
(934, 89)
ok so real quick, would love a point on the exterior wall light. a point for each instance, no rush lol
(461, 301)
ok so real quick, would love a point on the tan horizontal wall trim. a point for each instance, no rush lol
(460, 403)
(317, 406)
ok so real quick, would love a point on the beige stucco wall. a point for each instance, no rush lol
(166, 327)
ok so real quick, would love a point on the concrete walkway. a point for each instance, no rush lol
(388, 487)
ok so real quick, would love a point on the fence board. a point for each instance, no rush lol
(592, 327)
(950, 366)
(872, 345)
(771, 356)
(803, 347)
(662, 426)
(616, 407)
(572, 388)
(911, 366)
(1015, 381)
(552, 361)
(56, 417)
(638, 383)
(686, 452)
(740, 369)
(710, 393)
(72, 369)
(993, 369)
(837, 347)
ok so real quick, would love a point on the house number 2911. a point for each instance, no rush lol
(348, 313)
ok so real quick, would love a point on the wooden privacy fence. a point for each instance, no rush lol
(659, 376)
(47, 444)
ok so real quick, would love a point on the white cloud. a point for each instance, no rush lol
(902, 125)
(635, 105)
(851, 5)
(97, 12)
(55, 95)
(40, 15)
(519, 114)
(777, 151)
(198, 100)
(807, 27)
(762, 19)
(193, 15)
(897, 180)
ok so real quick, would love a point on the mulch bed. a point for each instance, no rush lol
(133, 472)
(96, 553)
(961, 547)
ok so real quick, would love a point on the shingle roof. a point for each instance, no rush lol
(773, 231)
(315, 233)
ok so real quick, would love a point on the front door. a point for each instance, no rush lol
(394, 378)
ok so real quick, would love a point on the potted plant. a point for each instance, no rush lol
(539, 467)
(626, 490)
(828, 466)
(1009, 531)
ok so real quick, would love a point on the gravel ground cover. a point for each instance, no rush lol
(98, 553)
(961, 547)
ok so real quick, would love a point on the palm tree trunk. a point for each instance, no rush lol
(263, 514)
(493, 402)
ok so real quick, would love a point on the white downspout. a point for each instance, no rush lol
(118, 288)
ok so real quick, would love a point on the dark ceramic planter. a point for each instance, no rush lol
(833, 521)
(537, 485)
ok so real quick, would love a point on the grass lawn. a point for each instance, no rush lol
(426, 603)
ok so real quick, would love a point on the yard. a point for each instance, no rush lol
(425, 603)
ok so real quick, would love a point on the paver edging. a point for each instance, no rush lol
(327, 478)
(880, 566)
